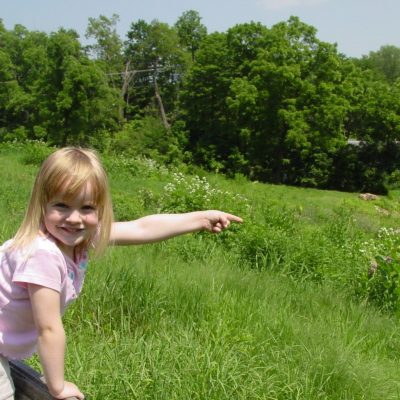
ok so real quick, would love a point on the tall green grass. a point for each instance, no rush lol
(152, 326)
(277, 308)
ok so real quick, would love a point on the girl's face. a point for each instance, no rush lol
(71, 221)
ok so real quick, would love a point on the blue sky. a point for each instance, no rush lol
(357, 26)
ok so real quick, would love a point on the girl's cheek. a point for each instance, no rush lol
(93, 219)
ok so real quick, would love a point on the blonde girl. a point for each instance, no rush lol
(43, 267)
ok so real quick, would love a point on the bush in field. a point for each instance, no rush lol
(148, 137)
(35, 152)
(135, 166)
(191, 193)
(261, 246)
(30, 152)
(126, 208)
(382, 284)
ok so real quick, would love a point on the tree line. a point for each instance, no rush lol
(274, 104)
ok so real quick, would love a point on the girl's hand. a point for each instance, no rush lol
(217, 221)
(70, 390)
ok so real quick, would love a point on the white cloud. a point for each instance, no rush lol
(280, 4)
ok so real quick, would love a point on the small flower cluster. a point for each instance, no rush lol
(386, 243)
(383, 283)
(192, 193)
(152, 166)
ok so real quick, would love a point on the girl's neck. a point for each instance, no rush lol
(68, 252)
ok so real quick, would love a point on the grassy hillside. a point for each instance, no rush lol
(280, 307)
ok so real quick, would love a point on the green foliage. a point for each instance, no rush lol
(125, 208)
(134, 167)
(35, 153)
(385, 63)
(393, 180)
(138, 136)
(261, 247)
(382, 284)
(108, 47)
(274, 104)
(274, 108)
(280, 106)
(191, 31)
(147, 137)
(52, 91)
(141, 199)
(191, 193)
(81, 103)
(154, 51)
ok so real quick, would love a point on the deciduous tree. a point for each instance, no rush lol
(191, 31)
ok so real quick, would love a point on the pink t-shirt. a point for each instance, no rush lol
(42, 264)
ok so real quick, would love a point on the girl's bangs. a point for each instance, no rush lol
(70, 185)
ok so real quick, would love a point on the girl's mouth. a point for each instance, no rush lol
(71, 230)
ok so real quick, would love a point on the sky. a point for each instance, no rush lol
(356, 26)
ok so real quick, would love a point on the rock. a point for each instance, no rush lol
(368, 196)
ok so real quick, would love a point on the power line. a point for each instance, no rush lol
(135, 71)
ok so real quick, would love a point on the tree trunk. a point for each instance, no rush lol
(159, 102)
(127, 78)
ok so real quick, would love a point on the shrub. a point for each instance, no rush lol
(35, 152)
(127, 207)
(138, 166)
(19, 134)
(382, 283)
(262, 247)
(191, 193)
(147, 137)
(392, 180)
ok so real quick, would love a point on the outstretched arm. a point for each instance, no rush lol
(154, 228)
(51, 340)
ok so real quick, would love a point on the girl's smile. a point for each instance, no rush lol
(71, 221)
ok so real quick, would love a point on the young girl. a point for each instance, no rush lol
(43, 267)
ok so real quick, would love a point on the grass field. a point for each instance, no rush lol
(276, 308)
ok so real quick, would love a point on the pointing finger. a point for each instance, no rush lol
(233, 218)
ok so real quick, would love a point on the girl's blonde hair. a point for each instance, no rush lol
(67, 171)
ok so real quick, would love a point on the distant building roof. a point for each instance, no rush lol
(356, 142)
(353, 142)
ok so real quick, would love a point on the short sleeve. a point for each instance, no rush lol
(44, 268)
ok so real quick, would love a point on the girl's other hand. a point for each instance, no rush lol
(70, 390)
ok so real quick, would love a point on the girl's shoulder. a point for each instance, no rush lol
(6, 245)
(40, 244)
(44, 243)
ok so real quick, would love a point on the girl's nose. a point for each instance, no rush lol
(74, 217)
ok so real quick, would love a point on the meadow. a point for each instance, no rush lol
(284, 306)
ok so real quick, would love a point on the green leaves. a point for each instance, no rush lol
(281, 87)
(272, 103)
(382, 286)
(53, 91)
(191, 31)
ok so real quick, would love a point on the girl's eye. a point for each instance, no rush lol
(89, 207)
(60, 205)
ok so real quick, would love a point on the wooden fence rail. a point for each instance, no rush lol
(28, 383)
